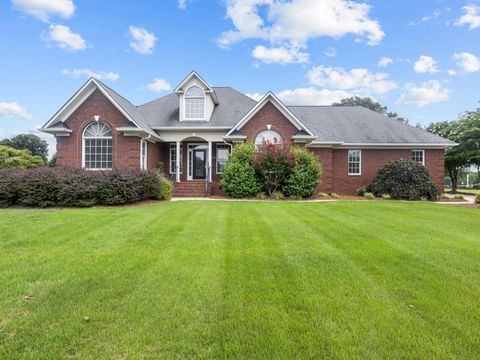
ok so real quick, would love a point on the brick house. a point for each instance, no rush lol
(192, 131)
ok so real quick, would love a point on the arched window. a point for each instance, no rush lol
(97, 147)
(194, 103)
(269, 136)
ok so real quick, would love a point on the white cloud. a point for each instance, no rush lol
(312, 96)
(468, 62)
(13, 110)
(384, 62)
(471, 18)
(357, 80)
(330, 52)
(292, 24)
(427, 18)
(142, 41)
(424, 94)
(44, 9)
(182, 4)
(65, 39)
(158, 85)
(100, 75)
(425, 64)
(452, 72)
(280, 55)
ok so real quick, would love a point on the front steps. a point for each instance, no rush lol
(191, 189)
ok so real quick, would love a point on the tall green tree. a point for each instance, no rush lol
(456, 157)
(29, 142)
(371, 104)
(471, 137)
(20, 159)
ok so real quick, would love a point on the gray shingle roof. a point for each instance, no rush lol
(331, 124)
(232, 106)
(359, 125)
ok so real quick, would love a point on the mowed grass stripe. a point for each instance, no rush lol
(241, 280)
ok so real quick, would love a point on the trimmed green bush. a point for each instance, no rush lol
(305, 174)
(46, 186)
(369, 196)
(386, 196)
(477, 199)
(404, 179)
(322, 194)
(278, 195)
(166, 188)
(361, 191)
(239, 177)
(334, 195)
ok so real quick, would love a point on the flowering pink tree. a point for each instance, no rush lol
(272, 163)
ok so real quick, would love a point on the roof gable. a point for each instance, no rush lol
(82, 94)
(270, 97)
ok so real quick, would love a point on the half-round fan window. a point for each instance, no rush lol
(194, 103)
(97, 147)
(268, 136)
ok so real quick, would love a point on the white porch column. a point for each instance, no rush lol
(177, 164)
(210, 161)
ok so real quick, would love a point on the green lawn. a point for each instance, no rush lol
(346, 280)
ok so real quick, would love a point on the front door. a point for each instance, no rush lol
(199, 161)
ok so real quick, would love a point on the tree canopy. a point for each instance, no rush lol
(371, 104)
(30, 142)
(466, 132)
(20, 159)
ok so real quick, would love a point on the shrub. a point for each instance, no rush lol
(476, 186)
(47, 186)
(166, 189)
(239, 177)
(304, 175)
(369, 196)
(445, 196)
(278, 195)
(261, 196)
(404, 179)
(386, 196)
(361, 191)
(322, 195)
(19, 159)
(272, 163)
(459, 197)
(334, 195)
(477, 199)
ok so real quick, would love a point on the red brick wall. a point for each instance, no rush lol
(126, 150)
(372, 160)
(269, 115)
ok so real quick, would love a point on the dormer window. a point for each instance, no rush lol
(194, 103)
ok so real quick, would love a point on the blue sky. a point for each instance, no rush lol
(306, 51)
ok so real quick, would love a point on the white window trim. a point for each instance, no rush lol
(90, 137)
(143, 164)
(204, 105)
(423, 155)
(173, 147)
(220, 146)
(359, 163)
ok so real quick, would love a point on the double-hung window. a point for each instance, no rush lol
(418, 156)
(222, 156)
(354, 162)
(173, 158)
